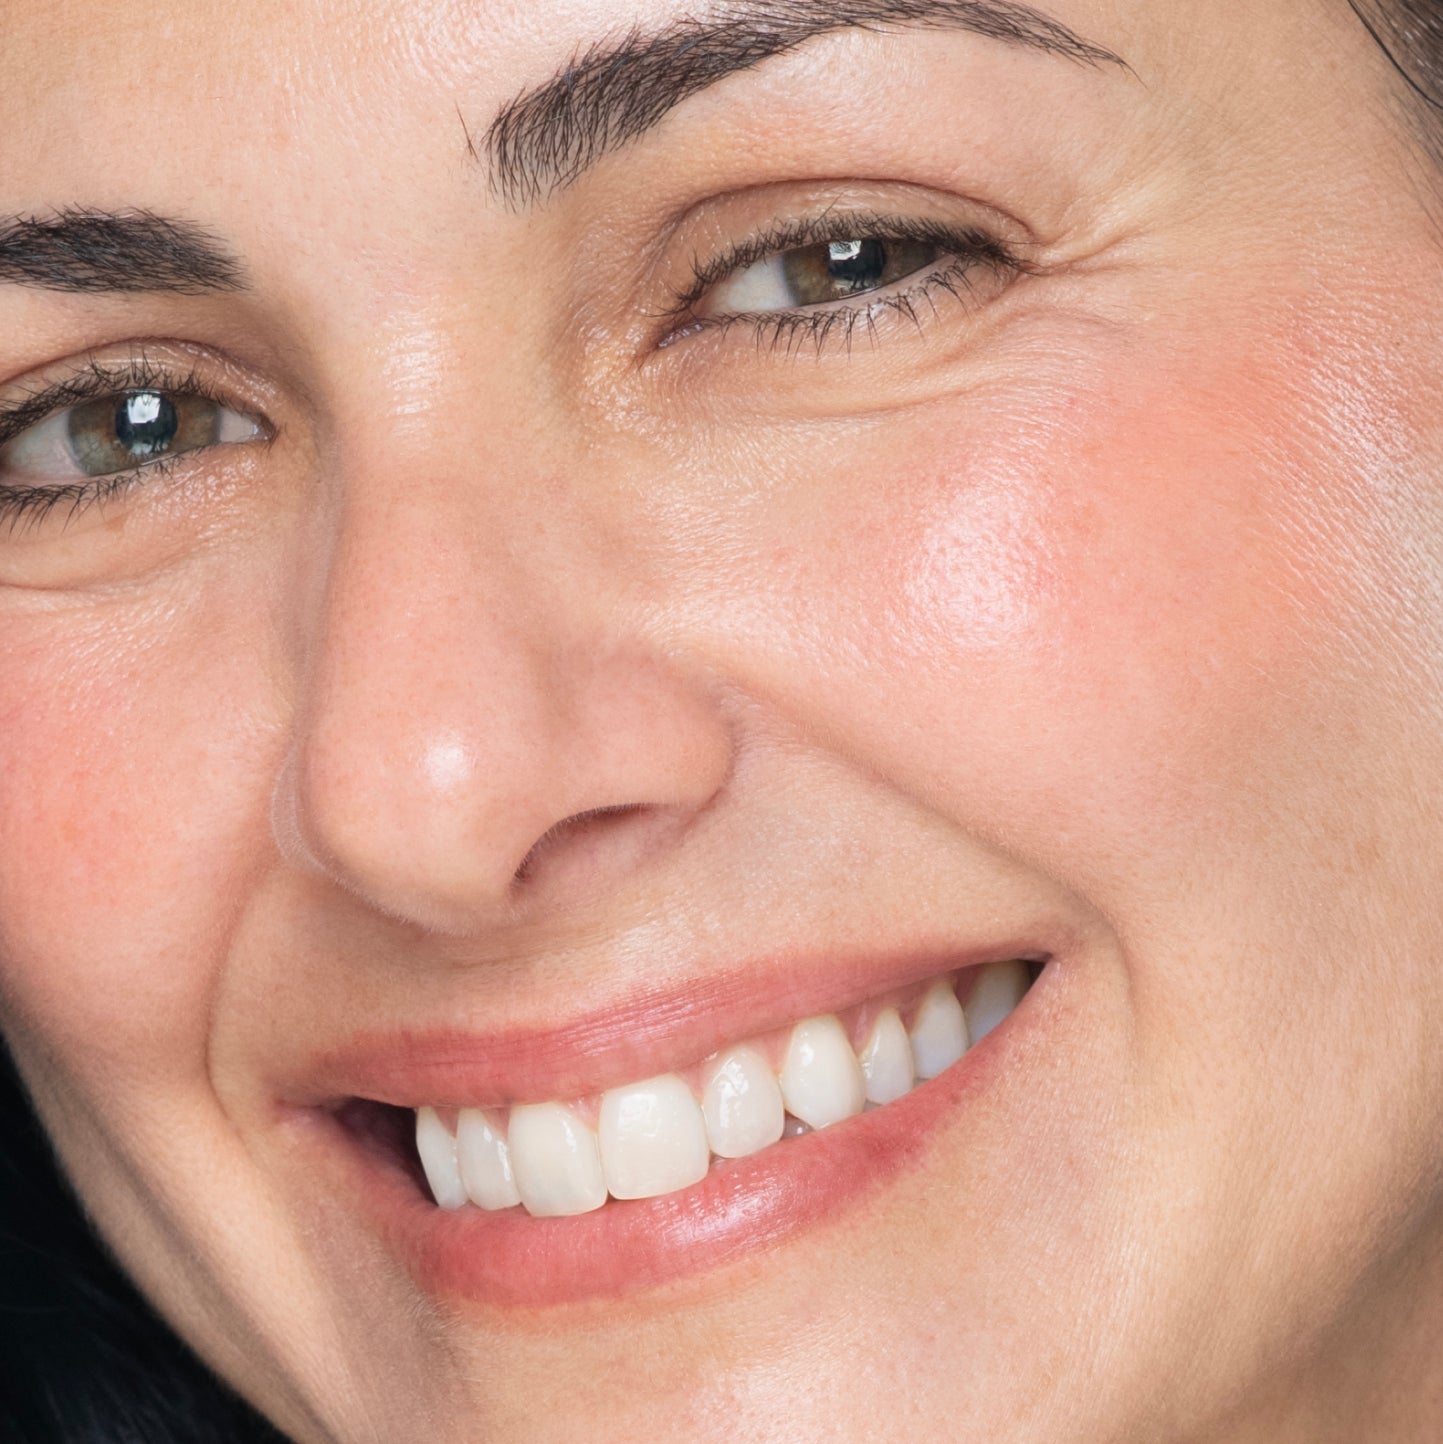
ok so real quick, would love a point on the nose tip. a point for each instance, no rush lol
(447, 764)
(547, 789)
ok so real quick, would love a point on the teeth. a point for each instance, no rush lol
(485, 1162)
(999, 990)
(438, 1157)
(742, 1104)
(939, 1031)
(821, 1079)
(556, 1160)
(886, 1059)
(653, 1140)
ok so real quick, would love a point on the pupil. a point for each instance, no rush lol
(858, 265)
(145, 423)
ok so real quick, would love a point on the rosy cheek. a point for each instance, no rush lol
(1098, 594)
(977, 578)
(1224, 561)
(120, 823)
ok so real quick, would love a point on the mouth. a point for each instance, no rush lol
(663, 1134)
(544, 1200)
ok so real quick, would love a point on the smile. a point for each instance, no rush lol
(665, 1134)
(519, 1168)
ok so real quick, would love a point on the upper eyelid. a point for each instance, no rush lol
(40, 405)
(89, 383)
(93, 380)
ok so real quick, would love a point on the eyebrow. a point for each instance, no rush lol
(95, 251)
(613, 92)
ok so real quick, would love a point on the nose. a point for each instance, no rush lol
(481, 727)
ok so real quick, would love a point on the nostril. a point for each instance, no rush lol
(569, 828)
(445, 797)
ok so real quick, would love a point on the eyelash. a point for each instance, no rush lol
(96, 380)
(787, 330)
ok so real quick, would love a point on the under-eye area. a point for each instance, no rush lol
(663, 1134)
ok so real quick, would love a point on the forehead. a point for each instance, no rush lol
(341, 149)
(142, 86)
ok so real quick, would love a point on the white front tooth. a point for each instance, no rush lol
(997, 992)
(821, 1079)
(653, 1140)
(437, 1148)
(886, 1059)
(555, 1160)
(742, 1104)
(939, 1031)
(485, 1161)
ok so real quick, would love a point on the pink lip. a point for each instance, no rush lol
(512, 1260)
(647, 1034)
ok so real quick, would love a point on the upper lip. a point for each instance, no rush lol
(646, 1033)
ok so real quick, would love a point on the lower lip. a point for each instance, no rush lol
(511, 1260)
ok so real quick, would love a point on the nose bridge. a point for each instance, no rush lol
(472, 686)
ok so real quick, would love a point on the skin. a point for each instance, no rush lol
(1108, 598)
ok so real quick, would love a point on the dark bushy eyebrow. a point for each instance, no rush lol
(104, 251)
(613, 92)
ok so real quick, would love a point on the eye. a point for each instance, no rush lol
(817, 281)
(119, 433)
(815, 275)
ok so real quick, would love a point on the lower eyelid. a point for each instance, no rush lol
(913, 300)
(31, 505)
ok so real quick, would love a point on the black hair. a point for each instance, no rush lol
(1410, 33)
(84, 1358)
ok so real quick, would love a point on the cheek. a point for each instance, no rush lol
(1110, 594)
(125, 822)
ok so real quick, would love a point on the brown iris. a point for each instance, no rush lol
(839, 269)
(118, 433)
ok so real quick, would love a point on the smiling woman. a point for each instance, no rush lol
(721, 723)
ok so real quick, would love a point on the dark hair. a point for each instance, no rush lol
(84, 1359)
(1410, 33)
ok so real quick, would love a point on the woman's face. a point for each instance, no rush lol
(753, 534)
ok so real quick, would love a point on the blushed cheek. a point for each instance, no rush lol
(980, 577)
(1102, 593)
(125, 821)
